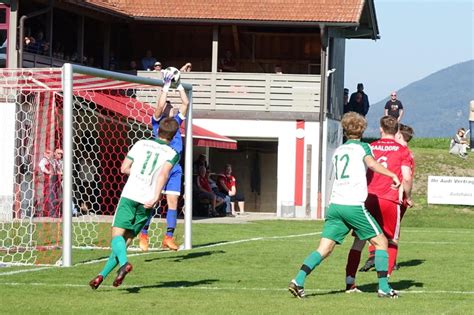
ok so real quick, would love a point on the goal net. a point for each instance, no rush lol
(50, 203)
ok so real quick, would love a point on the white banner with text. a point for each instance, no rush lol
(450, 190)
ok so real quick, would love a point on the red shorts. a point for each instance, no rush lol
(387, 213)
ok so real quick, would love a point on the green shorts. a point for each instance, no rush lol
(340, 219)
(130, 215)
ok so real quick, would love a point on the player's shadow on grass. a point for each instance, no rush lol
(397, 285)
(171, 284)
(411, 263)
(373, 287)
(209, 244)
(187, 256)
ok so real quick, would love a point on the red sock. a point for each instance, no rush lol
(353, 260)
(392, 257)
(371, 251)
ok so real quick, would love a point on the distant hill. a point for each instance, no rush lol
(436, 105)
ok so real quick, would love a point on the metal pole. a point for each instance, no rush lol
(188, 176)
(322, 114)
(67, 85)
(122, 76)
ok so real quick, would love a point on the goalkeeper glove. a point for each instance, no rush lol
(167, 81)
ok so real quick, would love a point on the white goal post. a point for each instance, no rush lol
(68, 85)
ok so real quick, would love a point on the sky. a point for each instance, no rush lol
(418, 38)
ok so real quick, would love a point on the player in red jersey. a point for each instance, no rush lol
(384, 202)
(404, 135)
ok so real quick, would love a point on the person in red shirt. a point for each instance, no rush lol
(227, 185)
(404, 135)
(205, 191)
(384, 202)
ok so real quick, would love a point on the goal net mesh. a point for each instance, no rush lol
(109, 116)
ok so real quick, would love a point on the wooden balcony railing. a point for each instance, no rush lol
(260, 92)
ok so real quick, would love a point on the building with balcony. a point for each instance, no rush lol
(286, 123)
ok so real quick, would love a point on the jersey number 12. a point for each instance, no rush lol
(341, 165)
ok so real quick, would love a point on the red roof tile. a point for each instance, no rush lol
(336, 11)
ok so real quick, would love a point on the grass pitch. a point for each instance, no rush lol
(245, 268)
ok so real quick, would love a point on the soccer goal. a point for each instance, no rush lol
(65, 132)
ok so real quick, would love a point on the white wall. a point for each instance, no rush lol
(7, 142)
(285, 133)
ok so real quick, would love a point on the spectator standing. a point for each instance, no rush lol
(51, 168)
(148, 61)
(345, 100)
(471, 123)
(45, 166)
(394, 107)
(358, 108)
(56, 181)
(357, 105)
(227, 185)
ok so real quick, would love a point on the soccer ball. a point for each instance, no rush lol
(176, 77)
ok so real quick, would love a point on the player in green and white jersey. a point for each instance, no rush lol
(346, 210)
(148, 165)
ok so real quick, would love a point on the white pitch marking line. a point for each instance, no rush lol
(24, 270)
(408, 230)
(162, 252)
(437, 243)
(71, 285)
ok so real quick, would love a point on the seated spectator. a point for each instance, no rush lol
(205, 191)
(58, 50)
(187, 67)
(157, 66)
(132, 67)
(226, 206)
(278, 69)
(459, 144)
(227, 185)
(28, 43)
(40, 45)
(113, 61)
(90, 62)
(148, 61)
(228, 64)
